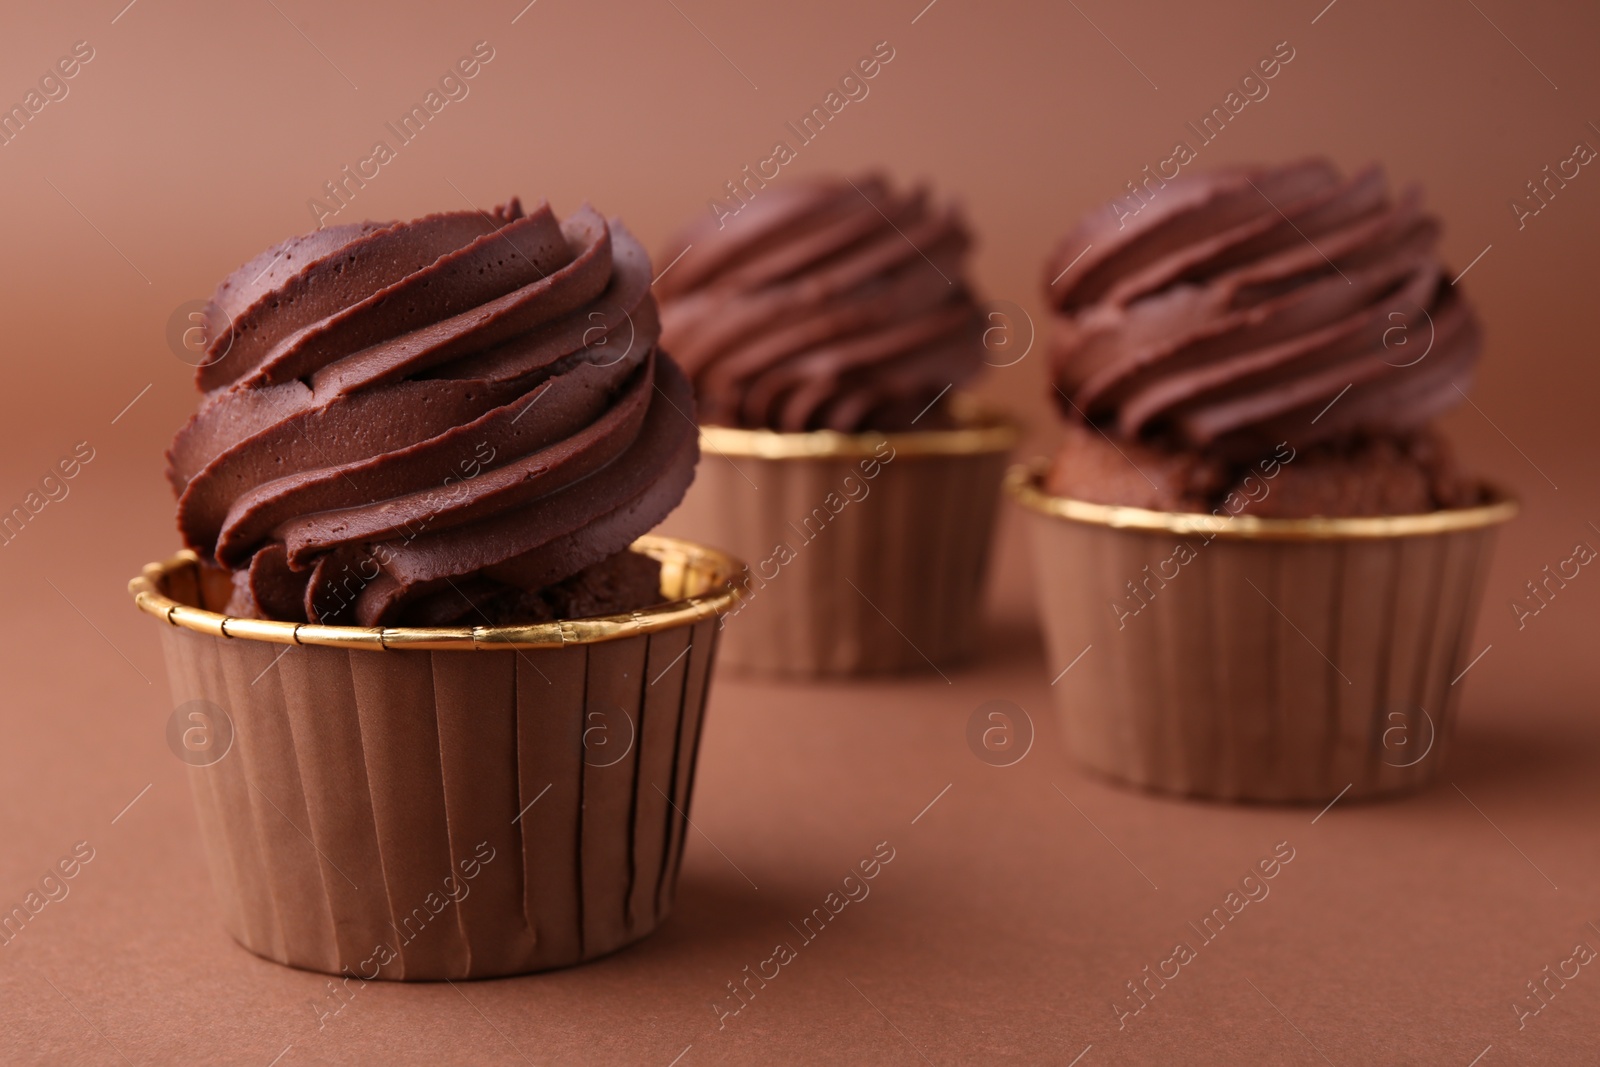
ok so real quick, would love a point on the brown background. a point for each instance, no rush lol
(1401, 933)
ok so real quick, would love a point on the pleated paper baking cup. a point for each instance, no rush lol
(445, 802)
(865, 553)
(1286, 660)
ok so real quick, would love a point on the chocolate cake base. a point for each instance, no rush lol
(1375, 475)
(626, 582)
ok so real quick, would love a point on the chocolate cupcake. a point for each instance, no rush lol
(1265, 555)
(826, 329)
(419, 440)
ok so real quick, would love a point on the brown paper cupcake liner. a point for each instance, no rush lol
(1258, 659)
(865, 552)
(461, 803)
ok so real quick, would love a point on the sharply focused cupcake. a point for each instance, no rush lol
(827, 327)
(1261, 549)
(418, 440)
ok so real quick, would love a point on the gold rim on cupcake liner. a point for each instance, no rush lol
(1024, 483)
(706, 573)
(982, 429)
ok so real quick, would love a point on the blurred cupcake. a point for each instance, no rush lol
(423, 463)
(1259, 563)
(826, 329)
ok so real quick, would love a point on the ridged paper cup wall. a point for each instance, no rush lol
(1257, 659)
(865, 552)
(448, 802)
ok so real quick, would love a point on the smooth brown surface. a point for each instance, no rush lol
(1004, 928)
(1007, 923)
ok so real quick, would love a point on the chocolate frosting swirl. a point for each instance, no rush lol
(1243, 307)
(823, 304)
(404, 420)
